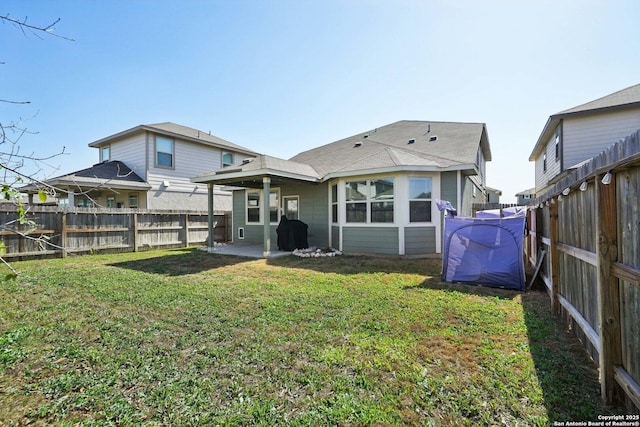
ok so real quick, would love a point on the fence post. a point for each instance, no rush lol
(135, 232)
(608, 290)
(63, 234)
(186, 230)
(553, 256)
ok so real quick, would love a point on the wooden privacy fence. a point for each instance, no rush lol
(588, 226)
(62, 231)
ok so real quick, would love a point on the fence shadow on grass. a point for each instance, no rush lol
(180, 262)
(567, 375)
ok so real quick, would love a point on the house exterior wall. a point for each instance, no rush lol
(585, 137)
(420, 240)
(553, 162)
(131, 151)
(449, 188)
(377, 240)
(471, 193)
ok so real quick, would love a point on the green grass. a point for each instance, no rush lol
(185, 338)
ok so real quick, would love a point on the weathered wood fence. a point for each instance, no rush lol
(62, 231)
(588, 226)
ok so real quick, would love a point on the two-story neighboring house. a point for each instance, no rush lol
(374, 192)
(577, 134)
(149, 167)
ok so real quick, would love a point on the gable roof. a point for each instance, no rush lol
(620, 100)
(176, 131)
(416, 144)
(434, 146)
(114, 174)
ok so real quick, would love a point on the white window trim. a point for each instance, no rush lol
(173, 153)
(342, 206)
(261, 205)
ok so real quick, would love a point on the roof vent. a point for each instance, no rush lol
(357, 144)
(433, 138)
(245, 161)
(411, 141)
(365, 136)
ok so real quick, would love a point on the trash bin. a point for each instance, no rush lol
(292, 234)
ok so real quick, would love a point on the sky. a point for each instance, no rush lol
(284, 76)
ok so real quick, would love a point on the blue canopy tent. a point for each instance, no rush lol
(487, 251)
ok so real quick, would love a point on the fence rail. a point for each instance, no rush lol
(63, 231)
(590, 235)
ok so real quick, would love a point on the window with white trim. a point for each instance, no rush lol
(370, 201)
(255, 205)
(227, 158)
(334, 203)
(105, 153)
(420, 199)
(164, 151)
(133, 200)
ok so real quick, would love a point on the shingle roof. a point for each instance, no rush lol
(110, 170)
(388, 146)
(622, 99)
(630, 95)
(179, 131)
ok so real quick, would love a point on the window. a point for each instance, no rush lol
(557, 145)
(105, 154)
(274, 205)
(544, 162)
(419, 199)
(164, 152)
(369, 201)
(227, 159)
(334, 203)
(133, 200)
(111, 202)
(291, 210)
(254, 205)
(85, 202)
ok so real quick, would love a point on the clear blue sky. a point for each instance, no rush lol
(281, 77)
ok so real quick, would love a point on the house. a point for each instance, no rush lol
(373, 192)
(493, 195)
(149, 167)
(577, 134)
(524, 197)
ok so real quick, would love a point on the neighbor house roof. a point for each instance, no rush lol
(620, 100)
(109, 174)
(176, 131)
(404, 145)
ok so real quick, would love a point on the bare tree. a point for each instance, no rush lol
(13, 162)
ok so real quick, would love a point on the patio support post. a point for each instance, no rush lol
(266, 216)
(71, 200)
(210, 240)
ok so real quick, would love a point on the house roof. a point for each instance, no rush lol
(176, 131)
(620, 100)
(251, 171)
(112, 174)
(404, 145)
(435, 146)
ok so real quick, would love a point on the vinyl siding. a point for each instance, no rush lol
(378, 240)
(313, 201)
(420, 240)
(335, 237)
(586, 137)
(554, 166)
(449, 187)
(130, 151)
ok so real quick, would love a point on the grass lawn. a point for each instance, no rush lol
(182, 337)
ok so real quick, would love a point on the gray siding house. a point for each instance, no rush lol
(150, 167)
(577, 134)
(373, 192)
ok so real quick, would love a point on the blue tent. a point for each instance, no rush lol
(486, 251)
